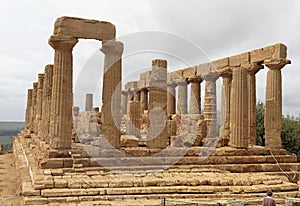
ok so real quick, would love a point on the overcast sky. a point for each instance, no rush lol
(185, 32)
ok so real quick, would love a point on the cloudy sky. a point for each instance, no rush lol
(185, 32)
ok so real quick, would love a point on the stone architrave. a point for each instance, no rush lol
(226, 74)
(88, 102)
(182, 97)
(171, 98)
(195, 95)
(28, 109)
(210, 103)
(39, 103)
(111, 94)
(46, 104)
(239, 108)
(62, 95)
(273, 106)
(252, 69)
(143, 100)
(33, 107)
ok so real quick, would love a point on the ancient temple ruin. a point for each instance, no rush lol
(147, 145)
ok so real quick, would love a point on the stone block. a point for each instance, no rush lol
(129, 141)
(221, 63)
(28, 190)
(235, 61)
(205, 69)
(189, 72)
(280, 51)
(35, 201)
(259, 55)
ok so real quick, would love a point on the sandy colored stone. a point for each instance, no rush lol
(88, 102)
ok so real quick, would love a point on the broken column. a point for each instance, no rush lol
(171, 98)
(88, 102)
(135, 118)
(157, 134)
(143, 100)
(239, 108)
(252, 69)
(273, 107)
(195, 98)
(62, 95)
(210, 103)
(46, 105)
(182, 96)
(28, 109)
(111, 94)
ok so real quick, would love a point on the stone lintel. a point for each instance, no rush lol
(221, 63)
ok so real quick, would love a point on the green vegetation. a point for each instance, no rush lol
(7, 131)
(290, 134)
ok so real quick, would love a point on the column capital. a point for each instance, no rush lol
(253, 68)
(225, 72)
(180, 82)
(171, 84)
(62, 43)
(112, 47)
(211, 76)
(196, 79)
(276, 64)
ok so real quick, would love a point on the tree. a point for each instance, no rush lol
(260, 127)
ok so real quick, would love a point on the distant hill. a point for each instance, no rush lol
(7, 131)
(11, 125)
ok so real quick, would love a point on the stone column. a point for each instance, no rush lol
(157, 134)
(144, 100)
(28, 109)
(252, 70)
(111, 94)
(39, 103)
(137, 96)
(124, 102)
(210, 104)
(273, 107)
(195, 95)
(239, 108)
(33, 107)
(226, 74)
(182, 97)
(46, 104)
(135, 118)
(62, 95)
(129, 98)
(88, 102)
(171, 98)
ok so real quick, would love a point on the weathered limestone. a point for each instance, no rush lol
(210, 103)
(33, 108)
(182, 97)
(143, 100)
(28, 109)
(39, 102)
(226, 74)
(157, 135)
(111, 94)
(129, 98)
(124, 102)
(252, 69)
(239, 108)
(195, 98)
(137, 96)
(88, 102)
(171, 98)
(273, 106)
(62, 96)
(135, 118)
(46, 104)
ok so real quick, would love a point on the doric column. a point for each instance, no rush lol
(135, 118)
(210, 103)
(239, 108)
(195, 95)
(124, 102)
(226, 74)
(273, 106)
(88, 102)
(144, 100)
(171, 98)
(62, 95)
(111, 94)
(33, 107)
(129, 98)
(46, 104)
(39, 103)
(252, 69)
(28, 109)
(182, 97)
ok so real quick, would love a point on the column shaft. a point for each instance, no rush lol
(171, 98)
(28, 109)
(39, 103)
(225, 107)
(182, 97)
(144, 100)
(195, 96)
(33, 108)
(124, 102)
(89, 102)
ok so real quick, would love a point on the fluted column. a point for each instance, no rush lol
(88, 102)
(210, 103)
(137, 96)
(62, 95)
(143, 100)
(111, 94)
(33, 107)
(46, 104)
(195, 95)
(39, 102)
(135, 118)
(226, 74)
(273, 106)
(124, 102)
(28, 109)
(182, 97)
(252, 70)
(239, 108)
(171, 98)
(129, 98)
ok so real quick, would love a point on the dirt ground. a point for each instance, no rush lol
(8, 182)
